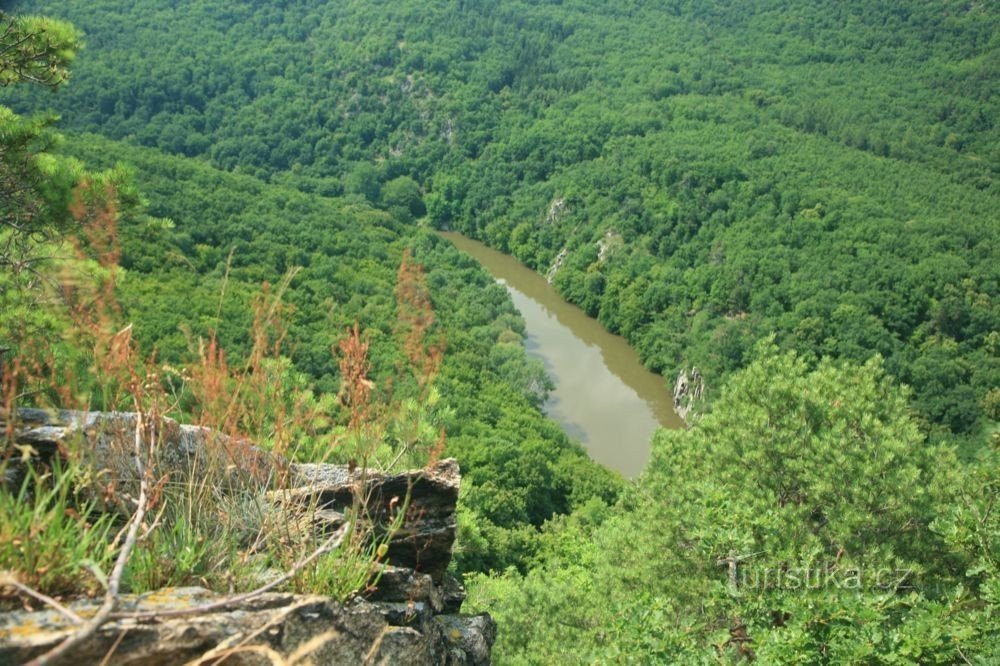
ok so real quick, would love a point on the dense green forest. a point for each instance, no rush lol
(800, 200)
(853, 143)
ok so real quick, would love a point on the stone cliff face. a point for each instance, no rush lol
(689, 390)
(410, 617)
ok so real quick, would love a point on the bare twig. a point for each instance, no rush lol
(376, 646)
(104, 613)
(272, 655)
(962, 654)
(310, 646)
(333, 542)
(44, 598)
(223, 652)
(114, 648)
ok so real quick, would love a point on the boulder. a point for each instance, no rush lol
(407, 615)
(270, 629)
(105, 442)
(424, 538)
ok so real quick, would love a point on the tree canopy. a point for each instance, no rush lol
(825, 172)
(804, 520)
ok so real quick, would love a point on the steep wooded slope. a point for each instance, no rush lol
(826, 171)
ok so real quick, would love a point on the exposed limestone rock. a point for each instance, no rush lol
(471, 637)
(689, 389)
(105, 442)
(609, 243)
(406, 585)
(556, 210)
(424, 540)
(255, 631)
(556, 265)
(399, 621)
(453, 594)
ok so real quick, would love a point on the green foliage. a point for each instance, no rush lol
(36, 50)
(487, 402)
(817, 485)
(968, 523)
(51, 537)
(35, 186)
(824, 172)
(202, 538)
(403, 198)
(822, 462)
(341, 573)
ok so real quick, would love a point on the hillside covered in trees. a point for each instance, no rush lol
(854, 145)
(800, 199)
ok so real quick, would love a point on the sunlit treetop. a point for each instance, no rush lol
(36, 50)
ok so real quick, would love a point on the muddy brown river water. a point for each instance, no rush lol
(604, 397)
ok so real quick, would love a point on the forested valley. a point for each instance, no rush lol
(798, 199)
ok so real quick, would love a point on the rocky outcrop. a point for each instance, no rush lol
(689, 389)
(557, 263)
(610, 242)
(408, 616)
(105, 442)
(422, 542)
(270, 629)
(556, 210)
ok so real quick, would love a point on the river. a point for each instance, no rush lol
(604, 396)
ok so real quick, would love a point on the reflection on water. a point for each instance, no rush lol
(604, 397)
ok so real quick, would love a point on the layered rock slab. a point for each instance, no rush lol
(269, 629)
(409, 615)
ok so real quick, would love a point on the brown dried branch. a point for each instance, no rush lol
(44, 598)
(104, 613)
(330, 544)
